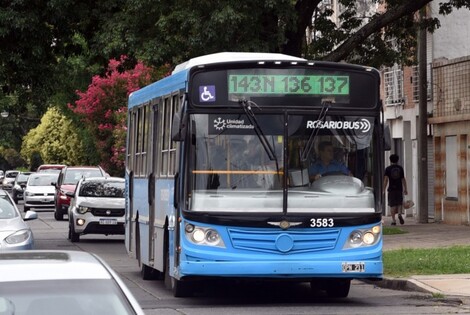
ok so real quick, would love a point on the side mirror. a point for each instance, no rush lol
(70, 194)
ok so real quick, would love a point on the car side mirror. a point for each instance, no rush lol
(70, 194)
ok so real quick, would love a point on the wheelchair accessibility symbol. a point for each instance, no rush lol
(207, 93)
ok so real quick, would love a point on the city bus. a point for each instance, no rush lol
(220, 165)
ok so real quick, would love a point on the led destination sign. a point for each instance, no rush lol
(265, 84)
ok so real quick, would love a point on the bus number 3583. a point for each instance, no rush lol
(322, 222)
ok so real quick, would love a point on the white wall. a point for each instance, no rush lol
(452, 39)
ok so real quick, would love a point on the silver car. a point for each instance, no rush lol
(9, 179)
(39, 191)
(97, 207)
(62, 282)
(15, 234)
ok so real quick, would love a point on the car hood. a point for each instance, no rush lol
(41, 189)
(8, 226)
(102, 202)
(66, 187)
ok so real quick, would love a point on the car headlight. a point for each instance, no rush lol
(27, 193)
(203, 236)
(82, 210)
(18, 237)
(364, 237)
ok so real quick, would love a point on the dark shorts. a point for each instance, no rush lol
(395, 198)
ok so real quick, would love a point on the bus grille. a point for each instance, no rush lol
(284, 241)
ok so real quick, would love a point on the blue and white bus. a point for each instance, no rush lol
(220, 176)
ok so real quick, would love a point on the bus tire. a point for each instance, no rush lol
(178, 287)
(338, 288)
(149, 273)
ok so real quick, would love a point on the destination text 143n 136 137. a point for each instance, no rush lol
(288, 84)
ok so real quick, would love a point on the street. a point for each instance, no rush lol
(229, 297)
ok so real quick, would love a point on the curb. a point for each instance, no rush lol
(402, 285)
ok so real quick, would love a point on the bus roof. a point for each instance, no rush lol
(177, 80)
(234, 56)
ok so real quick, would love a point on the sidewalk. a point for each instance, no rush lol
(428, 235)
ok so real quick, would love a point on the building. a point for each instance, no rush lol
(448, 60)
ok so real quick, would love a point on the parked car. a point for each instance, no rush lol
(15, 234)
(97, 207)
(39, 191)
(2, 175)
(67, 181)
(19, 185)
(62, 282)
(54, 168)
(9, 179)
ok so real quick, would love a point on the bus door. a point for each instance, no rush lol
(152, 177)
(131, 219)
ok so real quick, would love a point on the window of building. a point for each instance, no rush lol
(451, 167)
(393, 82)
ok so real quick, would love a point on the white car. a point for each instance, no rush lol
(15, 233)
(62, 282)
(97, 207)
(39, 191)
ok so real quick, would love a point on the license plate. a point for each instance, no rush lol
(354, 267)
(108, 221)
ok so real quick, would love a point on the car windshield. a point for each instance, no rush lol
(59, 297)
(113, 189)
(22, 177)
(72, 176)
(41, 180)
(7, 210)
(11, 174)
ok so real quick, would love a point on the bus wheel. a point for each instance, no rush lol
(178, 287)
(338, 288)
(148, 273)
(181, 288)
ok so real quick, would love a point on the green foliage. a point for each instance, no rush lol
(11, 158)
(55, 140)
(406, 262)
(393, 230)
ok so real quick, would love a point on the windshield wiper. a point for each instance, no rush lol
(321, 117)
(246, 105)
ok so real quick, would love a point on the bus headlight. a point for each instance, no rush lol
(363, 237)
(203, 236)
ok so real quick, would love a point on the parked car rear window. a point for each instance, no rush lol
(73, 176)
(37, 180)
(102, 189)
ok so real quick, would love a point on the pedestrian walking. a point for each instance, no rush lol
(395, 183)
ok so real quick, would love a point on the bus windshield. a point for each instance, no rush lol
(231, 171)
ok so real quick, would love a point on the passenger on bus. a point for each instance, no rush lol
(326, 164)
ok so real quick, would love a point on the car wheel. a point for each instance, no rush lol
(58, 216)
(74, 236)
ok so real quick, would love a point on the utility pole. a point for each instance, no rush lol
(422, 124)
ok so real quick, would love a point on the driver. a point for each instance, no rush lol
(326, 163)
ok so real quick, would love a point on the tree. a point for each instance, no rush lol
(56, 141)
(103, 108)
(173, 31)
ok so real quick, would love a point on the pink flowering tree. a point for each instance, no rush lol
(103, 109)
